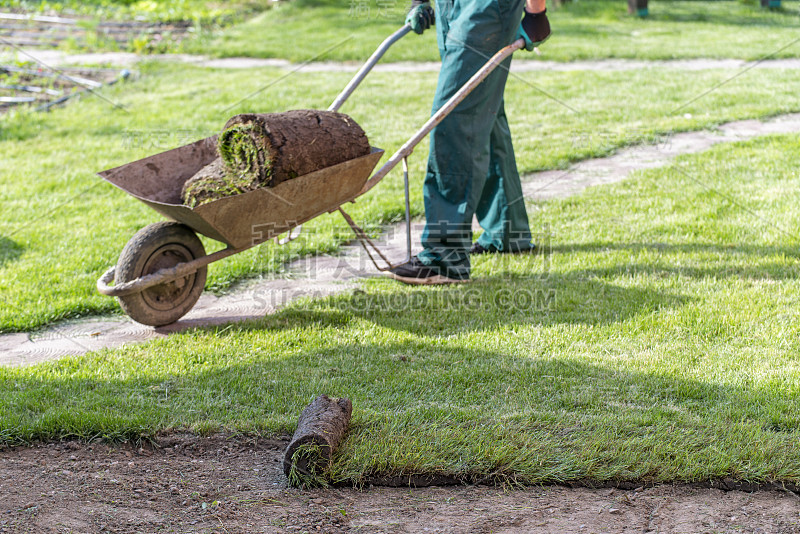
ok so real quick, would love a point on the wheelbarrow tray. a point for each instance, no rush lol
(244, 220)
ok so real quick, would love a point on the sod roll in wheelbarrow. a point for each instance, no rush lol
(263, 150)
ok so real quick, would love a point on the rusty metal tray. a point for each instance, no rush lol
(238, 220)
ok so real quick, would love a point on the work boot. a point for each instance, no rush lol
(477, 248)
(415, 272)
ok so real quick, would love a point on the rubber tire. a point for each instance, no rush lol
(155, 247)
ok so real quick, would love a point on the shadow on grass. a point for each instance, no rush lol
(729, 261)
(500, 297)
(9, 250)
(484, 304)
(469, 413)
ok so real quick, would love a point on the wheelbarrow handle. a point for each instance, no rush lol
(371, 62)
(443, 112)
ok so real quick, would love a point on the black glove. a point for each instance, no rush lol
(420, 16)
(536, 28)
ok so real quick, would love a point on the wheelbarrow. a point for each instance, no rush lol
(161, 272)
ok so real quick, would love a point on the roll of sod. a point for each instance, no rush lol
(213, 182)
(320, 430)
(263, 150)
(275, 147)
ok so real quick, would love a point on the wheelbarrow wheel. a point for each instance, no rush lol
(155, 247)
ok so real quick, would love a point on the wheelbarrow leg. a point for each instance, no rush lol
(369, 245)
(408, 210)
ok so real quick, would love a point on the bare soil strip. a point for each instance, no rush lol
(321, 276)
(43, 88)
(31, 30)
(222, 484)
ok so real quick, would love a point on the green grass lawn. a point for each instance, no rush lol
(658, 341)
(155, 10)
(61, 226)
(666, 349)
(585, 29)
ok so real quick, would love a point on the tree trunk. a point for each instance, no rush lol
(320, 429)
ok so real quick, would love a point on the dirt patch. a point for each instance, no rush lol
(34, 31)
(44, 88)
(235, 484)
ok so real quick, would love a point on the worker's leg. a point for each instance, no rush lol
(469, 34)
(501, 208)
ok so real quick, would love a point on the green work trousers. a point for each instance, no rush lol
(471, 167)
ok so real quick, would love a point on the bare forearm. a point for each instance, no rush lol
(535, 6)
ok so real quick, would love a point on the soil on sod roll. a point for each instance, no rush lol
(321, 428)
(263, 150)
